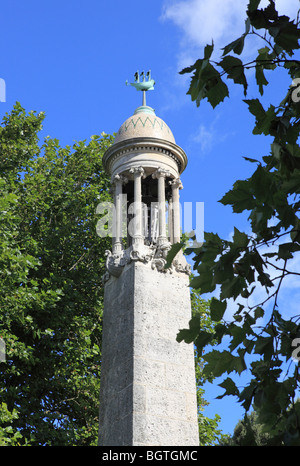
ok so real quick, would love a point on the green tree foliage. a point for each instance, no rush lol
(209, 432)
(8, 435)
(51, 264)
(261, 339)
(248, 432)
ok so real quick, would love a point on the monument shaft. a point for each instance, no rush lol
(148, 388)
(148, 379)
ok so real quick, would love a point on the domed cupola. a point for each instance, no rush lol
(144, 123)
(144, 163)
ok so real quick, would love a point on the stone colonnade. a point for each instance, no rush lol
(174, 208)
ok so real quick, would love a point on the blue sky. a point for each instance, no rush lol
(71, 58)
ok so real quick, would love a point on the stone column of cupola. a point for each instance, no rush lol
(117, 182)
(170, 220)
(176, 185)
(137, 237)
(161, 175)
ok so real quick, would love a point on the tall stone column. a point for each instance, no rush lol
(176, 185)
(118, 181)
(161, 175)
(137, 237)
(170, 221)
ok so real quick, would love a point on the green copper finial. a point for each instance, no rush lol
(144, 85)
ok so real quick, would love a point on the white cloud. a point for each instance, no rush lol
(222, 21)
(205, 137)
(209, 135)
(202, 20)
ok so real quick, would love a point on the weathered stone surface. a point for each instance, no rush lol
(148, 390)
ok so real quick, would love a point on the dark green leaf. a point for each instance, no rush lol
(208, 51)
(217, 92)
(217, 309)
(236, 46)
(258, 18)
(253, 5)
(238, 334)
(231, 288)
(260, 78)
(264, 119)
(259, 312)
(256, 108)
(264, 346)
(287, 250)
(249, 159)
(206, 82)
(175, 248)
(230, 388)
(259, 180)
(190, 334)
(234, 69)
(220, 362)
(287, 36)
(240, 197)
(203, 339)
(191, 68)
(204, 281)
(240, 239)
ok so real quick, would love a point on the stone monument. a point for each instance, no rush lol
(148, 389)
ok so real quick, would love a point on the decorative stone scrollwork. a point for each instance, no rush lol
(159, 261)
(143, 256)
(159, 264)
(116, 262)
(179, 264)
(156, 255)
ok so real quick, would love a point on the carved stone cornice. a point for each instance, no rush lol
(146, 145)
(155, 255)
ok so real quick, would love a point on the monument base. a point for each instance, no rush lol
(148, 389)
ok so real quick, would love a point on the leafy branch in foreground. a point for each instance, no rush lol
(250, 270)
(280, 39)
(209, 433)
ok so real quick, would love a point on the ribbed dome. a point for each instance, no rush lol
(144, 123)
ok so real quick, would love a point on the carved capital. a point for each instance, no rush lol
(161, 173)
(137, 171)
(176, 183)
(120, 178)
